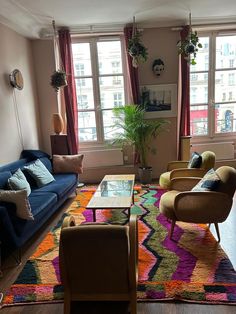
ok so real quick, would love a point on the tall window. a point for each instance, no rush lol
(99, 86)
(213, 87)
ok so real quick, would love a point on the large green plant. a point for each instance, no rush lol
(135, 130)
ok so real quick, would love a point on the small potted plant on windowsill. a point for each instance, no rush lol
(58, 79)
(135, 130)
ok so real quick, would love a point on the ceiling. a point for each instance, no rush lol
(33, 19)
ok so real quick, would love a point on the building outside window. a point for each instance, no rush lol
(99, 64)
(213, 86)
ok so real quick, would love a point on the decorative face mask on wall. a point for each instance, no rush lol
(158, 67)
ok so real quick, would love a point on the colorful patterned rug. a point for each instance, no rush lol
(192, 267)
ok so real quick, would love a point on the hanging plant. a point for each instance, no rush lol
(189, 47)
(136, 49)
(58, 79)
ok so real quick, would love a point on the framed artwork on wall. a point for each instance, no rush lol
(159, 100)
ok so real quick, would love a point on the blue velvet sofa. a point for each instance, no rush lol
(44, 201)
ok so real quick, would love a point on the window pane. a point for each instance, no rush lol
(84, 92)
(82, 59)
(112, 91)
(225, 86)
(198, 120)
(202, 58)
(225, 52)
(109, 57)
(87, 126)
(108, 122)
(198, 88)
(225, 118)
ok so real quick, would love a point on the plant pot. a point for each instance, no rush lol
(145, 175)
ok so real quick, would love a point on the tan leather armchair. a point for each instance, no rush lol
(182, 204)
(177, 169)
(98, 262)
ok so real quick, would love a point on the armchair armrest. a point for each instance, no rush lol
(188, 172)
(177, 164)
(202, 207)
(183, 183)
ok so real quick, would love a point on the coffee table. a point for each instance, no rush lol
(114, 192)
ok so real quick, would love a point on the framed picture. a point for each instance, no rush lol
(159, 100)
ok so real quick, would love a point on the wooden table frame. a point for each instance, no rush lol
(114, 202)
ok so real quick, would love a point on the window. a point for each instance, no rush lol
(212, 87)
(99, 81)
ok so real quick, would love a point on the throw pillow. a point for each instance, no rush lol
(209, 182)
(195, 161)
(20, 199)
(39, 172)
(18, 182)
(67, 163)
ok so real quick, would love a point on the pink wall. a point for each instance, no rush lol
(16, 53)
(44, 63)
(161, 43)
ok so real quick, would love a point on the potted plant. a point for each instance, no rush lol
(136, 49)
(58, 79)
(135, 130)
(189, 47)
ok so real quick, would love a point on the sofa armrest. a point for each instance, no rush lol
(183, 183)
(176, 165)
(202, 207)
(188, 172)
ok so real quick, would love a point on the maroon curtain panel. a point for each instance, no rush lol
(69, 90)
(184, 97)
(132, 71)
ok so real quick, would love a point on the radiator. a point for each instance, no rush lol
(223, 150)
(102, 158)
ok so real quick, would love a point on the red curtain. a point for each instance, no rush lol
(184, 95)
(133, 79)
(69, 90)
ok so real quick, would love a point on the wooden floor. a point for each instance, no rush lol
(228, 242)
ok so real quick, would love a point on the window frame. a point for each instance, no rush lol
(212, 135)
(95, 75)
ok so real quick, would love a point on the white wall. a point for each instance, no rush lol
(15, 53)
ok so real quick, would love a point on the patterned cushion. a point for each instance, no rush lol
(18, 182)
(20, 199)
(195, 161)
(39, 172)
(209, 182)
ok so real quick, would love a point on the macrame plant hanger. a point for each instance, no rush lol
(58, 78)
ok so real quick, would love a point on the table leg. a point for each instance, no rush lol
(133, 197)
(94, 215)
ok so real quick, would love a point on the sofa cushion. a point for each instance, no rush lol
(20, 199)
(62, 184)
(195, 161)
(18, 182)
(67, 163)
(41, 200)
(4, 176)
(32, 154)
(39, 172)
(209, 182)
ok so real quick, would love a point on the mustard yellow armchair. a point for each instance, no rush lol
(182, 204)
(177, 169)
(98, 262)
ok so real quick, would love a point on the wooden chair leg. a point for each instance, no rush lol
(172, 228)
(133, 306)
(67, 304)
(217, 231)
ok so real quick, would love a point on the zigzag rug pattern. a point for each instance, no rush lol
(192, 267)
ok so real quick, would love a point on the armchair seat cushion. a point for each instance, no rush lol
(164, 180)
(167, 204)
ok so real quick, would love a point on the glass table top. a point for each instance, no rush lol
(111, 188)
